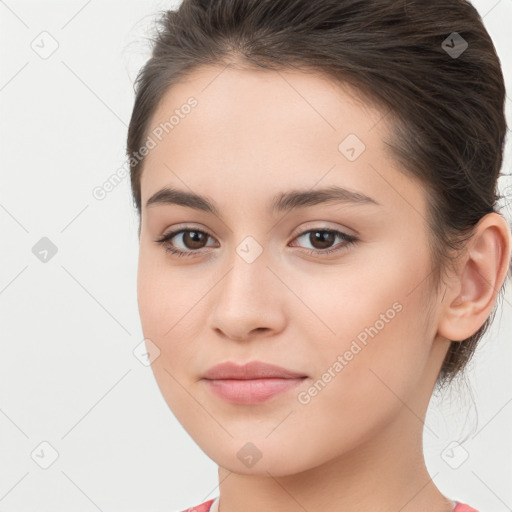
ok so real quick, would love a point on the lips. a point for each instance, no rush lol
(251, 383)
(251, 370)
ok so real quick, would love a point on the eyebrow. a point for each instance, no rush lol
(282, 202)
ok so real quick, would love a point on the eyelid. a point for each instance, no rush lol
(320, 226)
(182, 229)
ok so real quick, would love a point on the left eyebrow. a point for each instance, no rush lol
(284, 201)
(295, 199)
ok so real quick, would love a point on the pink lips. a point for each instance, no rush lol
(250, 383)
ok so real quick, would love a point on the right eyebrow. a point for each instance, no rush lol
(169, 195)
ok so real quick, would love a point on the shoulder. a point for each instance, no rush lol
(461, 507)
(206, 506)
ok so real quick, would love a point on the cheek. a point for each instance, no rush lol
(166, 314)
(367, 371)
(166, 296)
(172, 305)
(382, 357)
(381, 344)
(161, 305)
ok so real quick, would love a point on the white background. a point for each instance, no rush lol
(69, 326)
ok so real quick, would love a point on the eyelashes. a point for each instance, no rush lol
(198, 236)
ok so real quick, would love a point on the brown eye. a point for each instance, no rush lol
(194, 239)
(184, 242)
(322, 240)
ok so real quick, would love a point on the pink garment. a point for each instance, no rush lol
(462, 508)
(205, 507)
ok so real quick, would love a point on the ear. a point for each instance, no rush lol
(471, 293)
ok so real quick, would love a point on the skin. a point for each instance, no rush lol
(255, 134)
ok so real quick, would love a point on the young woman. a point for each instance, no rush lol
(320, 244)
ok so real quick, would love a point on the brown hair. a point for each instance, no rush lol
(445, 100)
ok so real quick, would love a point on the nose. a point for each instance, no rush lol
(248, 301)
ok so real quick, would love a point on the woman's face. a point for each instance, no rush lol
(266, 151)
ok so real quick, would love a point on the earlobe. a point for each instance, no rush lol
(480, 276)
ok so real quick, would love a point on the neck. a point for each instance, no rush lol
(386, 473)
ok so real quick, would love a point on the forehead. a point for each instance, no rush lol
(260, 129)
(241, 102)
